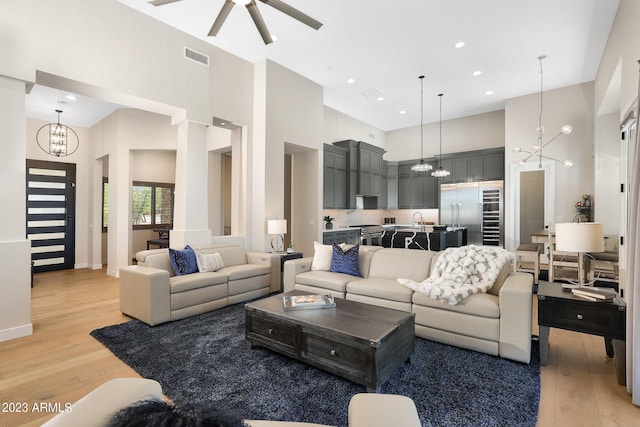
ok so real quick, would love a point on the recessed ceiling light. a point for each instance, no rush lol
(71, 97)
(489, 92)
(477, 73)
(403, 112)
(274, 37)
(459, 45)
(223, 124)
(351, 80)
(381, 98)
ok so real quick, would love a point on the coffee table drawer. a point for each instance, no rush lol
(346, 356)
(271, 332)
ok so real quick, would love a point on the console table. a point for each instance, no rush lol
(558, 308)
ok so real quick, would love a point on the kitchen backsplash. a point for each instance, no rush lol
(345, 218)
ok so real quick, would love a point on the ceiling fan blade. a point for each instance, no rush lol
(161, 2)
(293, 12)
(252, 7)
(224, 12)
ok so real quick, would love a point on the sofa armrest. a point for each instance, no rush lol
(271, 260)
(516, 305)
(292, 268)
(145, 294)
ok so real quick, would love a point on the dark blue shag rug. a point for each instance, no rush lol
(203, 360)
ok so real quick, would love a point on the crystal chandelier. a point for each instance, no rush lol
(440, 172)
(537, 148)
(421, 166)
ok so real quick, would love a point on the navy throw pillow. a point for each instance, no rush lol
(345, 262)
(183, 262)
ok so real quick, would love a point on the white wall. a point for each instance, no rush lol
(464, 134)
(570, 105)
(15, 250)
(606, 193)
(339, 127)
(295, 116)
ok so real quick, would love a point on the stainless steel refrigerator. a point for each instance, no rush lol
(476, 206)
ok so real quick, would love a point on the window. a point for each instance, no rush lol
(151, 204)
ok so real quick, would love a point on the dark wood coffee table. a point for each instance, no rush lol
(360, 342)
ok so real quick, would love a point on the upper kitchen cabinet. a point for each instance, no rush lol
(370, 170)
(335, 177)
(364, 176)
(471, 166)
(416, 190)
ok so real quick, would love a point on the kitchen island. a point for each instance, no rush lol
(424, 240)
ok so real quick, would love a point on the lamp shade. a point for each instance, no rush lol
(579, 237)
(277, 226)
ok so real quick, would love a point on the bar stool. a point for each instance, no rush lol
(529, 254)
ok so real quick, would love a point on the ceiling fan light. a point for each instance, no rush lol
(517, 149)
(242, 2)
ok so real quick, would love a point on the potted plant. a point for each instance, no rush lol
(290, 248)
(327, 222)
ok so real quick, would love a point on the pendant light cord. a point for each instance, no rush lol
(539, 142)
(421, 117)
(440, 158)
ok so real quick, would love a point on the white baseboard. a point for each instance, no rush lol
(96, 266)
(17, 332)
(112, 272)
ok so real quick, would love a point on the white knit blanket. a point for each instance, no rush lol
(460, 272)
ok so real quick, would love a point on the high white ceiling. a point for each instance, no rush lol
(386, 44)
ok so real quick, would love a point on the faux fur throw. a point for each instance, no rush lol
(460, 272)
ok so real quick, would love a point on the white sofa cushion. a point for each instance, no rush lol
(196, 280)
(209, 262)
(324, 279)
(388, 289)
(391, 263)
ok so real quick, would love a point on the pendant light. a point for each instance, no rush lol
(440, 172)
(421, 166)
(537, 148)
(57, 139)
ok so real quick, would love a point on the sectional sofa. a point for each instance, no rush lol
(497, 322)
(152, 292)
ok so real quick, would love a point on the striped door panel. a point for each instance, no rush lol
(51, 214)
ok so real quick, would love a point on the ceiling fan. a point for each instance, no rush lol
(252, 7)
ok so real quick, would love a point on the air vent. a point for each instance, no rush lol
(196, 56)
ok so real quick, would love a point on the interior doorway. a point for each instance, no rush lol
(532, 206)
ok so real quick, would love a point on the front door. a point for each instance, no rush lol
(51, 198)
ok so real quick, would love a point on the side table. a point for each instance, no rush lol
(284, 257)
(558, 308)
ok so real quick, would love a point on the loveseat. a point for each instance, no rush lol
(152, 292)
(97, 407)
(497, 322)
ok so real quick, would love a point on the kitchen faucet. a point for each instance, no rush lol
(421, 222)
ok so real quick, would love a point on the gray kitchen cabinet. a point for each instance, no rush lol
(364, 174)
(392, 185)
(335, 177)
(494, 166)
(404, 186)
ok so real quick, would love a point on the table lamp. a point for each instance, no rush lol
(277, 228)
(580, 237)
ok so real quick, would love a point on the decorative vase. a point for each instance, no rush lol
(328, 226)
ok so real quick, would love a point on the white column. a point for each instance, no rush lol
(190, 217)
(119, 235)
(15, 249)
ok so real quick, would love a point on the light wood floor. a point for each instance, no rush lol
(61, 362)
